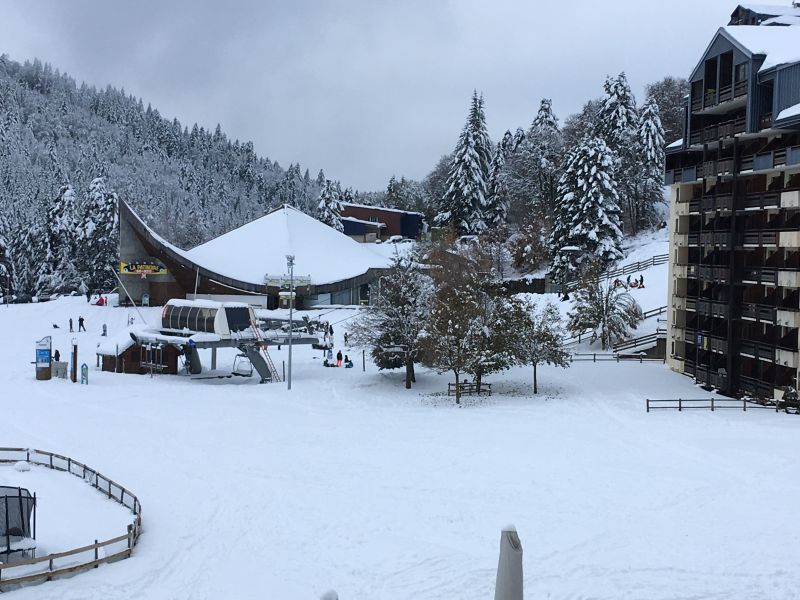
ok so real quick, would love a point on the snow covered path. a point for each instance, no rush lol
(350, 482)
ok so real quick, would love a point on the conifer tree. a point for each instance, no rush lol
(464, 203)
(534, 168)
(98, 236)
(59, 272)
(329, 208)
(651, 144)
(587, 227)
(392, 327)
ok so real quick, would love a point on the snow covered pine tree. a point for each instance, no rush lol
(609, 310)
(587, 230)
(393, 326)
(98, 237)
(329, 207)
(464, 204)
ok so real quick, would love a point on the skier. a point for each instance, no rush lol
(339, 358)
(330, 354)
(80, 324)
(105, 330)
(88, 296)
(70, 324)
(628, 281)
(641, 281)
(348, 364)
(345, 338)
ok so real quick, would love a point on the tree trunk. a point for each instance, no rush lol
(409, 373)
(535, 387)
(413, 371)
(458, 390)
(478, 383)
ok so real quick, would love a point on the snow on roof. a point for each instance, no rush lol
(397, 210)
(117, 344)
(259, 248)
(782, 20)
(201, 303)
(781, 45)
(771, 9)
(354, 220)
(676, 144)
(792, 111)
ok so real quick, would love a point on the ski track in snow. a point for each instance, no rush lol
(353, 483)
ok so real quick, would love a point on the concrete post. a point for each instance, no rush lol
(509, 567)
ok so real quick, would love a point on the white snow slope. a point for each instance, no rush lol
(351, 482)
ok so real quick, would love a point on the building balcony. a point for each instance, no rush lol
(682, 175)
(758, 312)
(714, 273)
(787, 318)
(759, 201)
(720, 131)
(755, 387)
(766, 161)
(720, 239)
(730, 94)
(756, 239)
(712, 308)
(787, 358)
(757, 351)
(789, 239)
(788, 279)
(714, 203)
(760, 276)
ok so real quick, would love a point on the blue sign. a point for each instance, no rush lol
(42, 357)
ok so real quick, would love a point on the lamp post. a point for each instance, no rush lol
(290, 264)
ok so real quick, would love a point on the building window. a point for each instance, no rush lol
(373, 219)
(741, 72)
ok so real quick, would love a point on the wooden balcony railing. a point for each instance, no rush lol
(759, 200)
(759, 238)
(765, 121)
(760, 276)
(740, 89)
(758, 312)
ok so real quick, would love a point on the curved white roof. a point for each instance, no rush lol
(259, 248)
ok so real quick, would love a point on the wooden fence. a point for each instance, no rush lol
(682, 404)
(639, 357)
(658, 259)
(51, 569)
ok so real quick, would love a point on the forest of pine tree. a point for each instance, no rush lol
(67, 151)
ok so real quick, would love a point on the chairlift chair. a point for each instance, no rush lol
(242, 367)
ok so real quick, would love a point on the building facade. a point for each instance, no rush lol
(390, 221)
(734, 178)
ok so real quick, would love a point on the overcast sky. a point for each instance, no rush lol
(364, 88)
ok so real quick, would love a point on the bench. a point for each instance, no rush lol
(469, 388)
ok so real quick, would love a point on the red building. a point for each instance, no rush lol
(397, 222)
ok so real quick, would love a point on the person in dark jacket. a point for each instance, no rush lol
(57, 356)
(80, 324)
(70, 324)
(339, 358)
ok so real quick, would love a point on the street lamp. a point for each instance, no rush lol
(290, 264)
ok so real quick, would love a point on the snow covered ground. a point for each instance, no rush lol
(70, 513)
(351, 482)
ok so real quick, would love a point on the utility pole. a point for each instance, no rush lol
(290, 264)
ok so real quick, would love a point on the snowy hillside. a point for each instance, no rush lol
(351, 482)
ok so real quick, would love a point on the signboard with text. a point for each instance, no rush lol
(140, 268)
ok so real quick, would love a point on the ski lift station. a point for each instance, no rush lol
(241, 265)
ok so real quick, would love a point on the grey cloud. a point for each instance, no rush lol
(362, 88)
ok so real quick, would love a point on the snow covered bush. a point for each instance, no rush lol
(608, 310)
